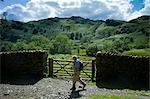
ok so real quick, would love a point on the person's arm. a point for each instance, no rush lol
(72, 65)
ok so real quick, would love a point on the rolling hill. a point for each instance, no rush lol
(110, 35)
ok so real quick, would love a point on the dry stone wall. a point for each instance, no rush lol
(114, 71)
(23, 63)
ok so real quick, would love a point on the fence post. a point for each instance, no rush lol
(93, 70)
(50, 67)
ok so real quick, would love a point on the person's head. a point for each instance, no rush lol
(75, 57)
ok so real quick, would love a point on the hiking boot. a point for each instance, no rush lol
(73, 88)
(83, 86)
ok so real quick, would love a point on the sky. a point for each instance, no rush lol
(29, 10)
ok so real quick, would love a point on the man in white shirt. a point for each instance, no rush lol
(76, 76)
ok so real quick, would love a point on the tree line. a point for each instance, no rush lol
(61, 44)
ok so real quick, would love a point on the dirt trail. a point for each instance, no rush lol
(48, 88)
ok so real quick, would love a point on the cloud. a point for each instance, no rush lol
(93, 9)
(98, 9)
(33, 10)
(146, 9)
(143, 11)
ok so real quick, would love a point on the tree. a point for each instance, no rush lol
(4, 15)
(72, 36)
(86, 39)
(20, 45)
(77, 36)
(40, 41)
(37, 42)
(35, 31)
(6, 46)
(80, 35)
(62, 44)
(92, 50)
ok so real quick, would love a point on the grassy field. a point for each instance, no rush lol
(142, 92)
(131, 93)
(97, 96)
(81, 52)
(69, 57)
(138, 52)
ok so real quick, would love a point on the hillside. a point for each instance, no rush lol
(110, 35)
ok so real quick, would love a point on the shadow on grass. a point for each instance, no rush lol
(122, 85)
(21, 79)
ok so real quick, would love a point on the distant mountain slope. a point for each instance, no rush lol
(132, 34)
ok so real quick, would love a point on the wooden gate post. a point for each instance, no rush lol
(93, 70)
(50, 67)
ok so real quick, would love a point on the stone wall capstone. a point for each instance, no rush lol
(115, 71)
(22, 63)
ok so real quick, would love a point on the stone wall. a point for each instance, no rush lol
(22, 63)
(114, 71)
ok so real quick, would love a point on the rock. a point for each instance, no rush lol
(59, 93)
(49, 86)
(6, 94)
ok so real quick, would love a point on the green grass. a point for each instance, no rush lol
(86, 58)
(60, 56)
(69, 57)
(98, 96)
(81, 52)
(91, 83)
(137, 52)
(143, 93)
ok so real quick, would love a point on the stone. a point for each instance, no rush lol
(129, 71)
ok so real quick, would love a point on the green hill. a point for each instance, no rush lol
(110, 35)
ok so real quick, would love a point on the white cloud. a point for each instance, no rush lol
(69, 3)
(146, 9)
(100, 9)
(33, 10)
(94, 9)
(133, 15)
(143, 11)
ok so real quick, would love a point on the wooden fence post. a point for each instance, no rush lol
(50, 67)
(93, 70)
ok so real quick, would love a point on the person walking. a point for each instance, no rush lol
(76, 75)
